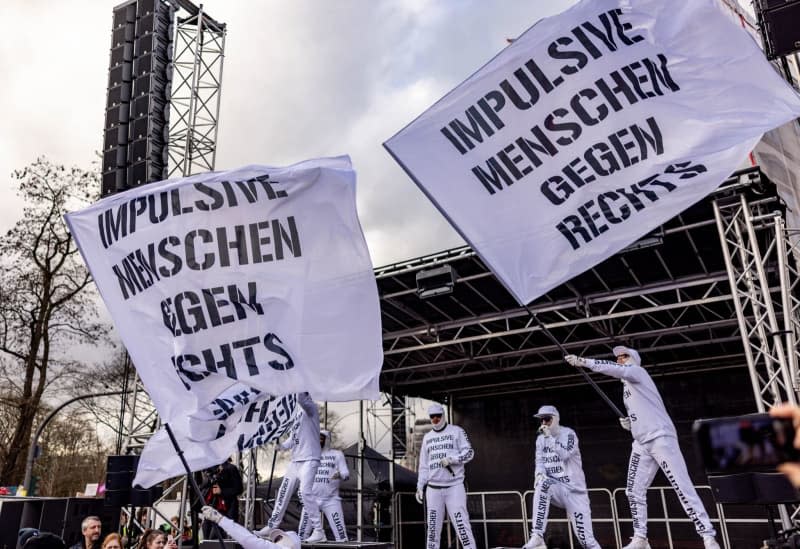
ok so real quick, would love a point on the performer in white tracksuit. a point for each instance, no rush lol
(440, 478)
(559, 477)
(331, 471)
(655, 444)
(304, 443)
(276, 539)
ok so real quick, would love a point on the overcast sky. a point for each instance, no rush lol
(301, 79)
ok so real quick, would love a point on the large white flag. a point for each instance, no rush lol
(591, 129)
(229, 287)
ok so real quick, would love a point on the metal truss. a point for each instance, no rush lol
(762, 273)
(196, 91)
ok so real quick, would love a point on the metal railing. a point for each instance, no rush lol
(519, 503)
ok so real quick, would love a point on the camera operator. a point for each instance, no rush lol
(222, 487)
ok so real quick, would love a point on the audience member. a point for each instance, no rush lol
(90, 528)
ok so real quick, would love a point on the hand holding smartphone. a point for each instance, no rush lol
(748, 443)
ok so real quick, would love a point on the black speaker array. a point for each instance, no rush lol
(137, 105)
(120, 471)
(780, 26)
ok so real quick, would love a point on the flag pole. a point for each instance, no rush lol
(189, 474)
(582, 371)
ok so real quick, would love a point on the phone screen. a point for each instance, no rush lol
(753, 442)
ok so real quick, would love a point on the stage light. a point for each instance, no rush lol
(435, 282)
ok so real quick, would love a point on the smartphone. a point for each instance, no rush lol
(749, 443)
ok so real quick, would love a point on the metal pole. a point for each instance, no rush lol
(557, 343)
(190, 476)
(360, 501)
(32, 448)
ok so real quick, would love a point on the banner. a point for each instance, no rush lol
(229, 287)
(590, 130)
(264, 420)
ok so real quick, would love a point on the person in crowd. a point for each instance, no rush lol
(331, 471)
(440, 479)
(222, 488)
(153, 539)
(655, 444)
(90, 530)
(43, 540)
(112, 541)
(274, 539)
(558, 476)
(306, 451)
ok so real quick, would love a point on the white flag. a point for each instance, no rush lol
(264, 420)
(591, 129)
(228, 287)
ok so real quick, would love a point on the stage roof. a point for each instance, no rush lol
(667, 295)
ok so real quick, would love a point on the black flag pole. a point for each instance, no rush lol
(189, 474)
(272, 475)
(594, 385)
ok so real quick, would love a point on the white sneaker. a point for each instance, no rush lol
(710, 542)
(536, 542)
(637, 543)
(316, 535)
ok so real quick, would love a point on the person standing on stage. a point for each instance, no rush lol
(655, 444)
(440, 479)
(306, 451)
(331, 471)
(558, 476)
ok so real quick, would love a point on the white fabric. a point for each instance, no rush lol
(590, 130)
(642, 468)
(302, 473)
(576, 505)
(229, 286)
(304, 438)
(326, 493)
(247, 539)
(451, 442)
(332, 509)
(435, 408)
(649, 417)
(559, 459)
(454, 500)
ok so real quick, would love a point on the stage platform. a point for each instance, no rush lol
(214, 544)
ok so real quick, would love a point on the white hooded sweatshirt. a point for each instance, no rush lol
(450, 442)
(649, 417)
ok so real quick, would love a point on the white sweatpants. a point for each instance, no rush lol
(302, 472)
(454, 499)
(332, 508)
(576, 504)
(645, 461)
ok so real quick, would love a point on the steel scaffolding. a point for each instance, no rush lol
(196, 92)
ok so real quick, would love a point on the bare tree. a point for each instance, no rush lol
(72, 455)
(45, 308)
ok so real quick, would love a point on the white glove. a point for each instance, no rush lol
(538, 480)
(545, 430)
(574, 360)
(420, 495)
(625, 422)
(264, 532)
(210, 514)
(336, 476)
(445, 462)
